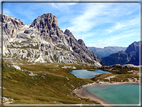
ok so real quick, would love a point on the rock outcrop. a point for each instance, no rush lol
(11, 25)
(43, 41)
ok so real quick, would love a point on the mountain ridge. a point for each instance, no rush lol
(43, 41)
(129, 56)
(106, 51)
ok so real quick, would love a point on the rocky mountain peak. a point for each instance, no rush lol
(45, 21)
(67, 32)
(43, 41)
(6, 18)
(133, 47)
(81, 42)
(11, 25)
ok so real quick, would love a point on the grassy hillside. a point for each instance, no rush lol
(119, 75)
(51, 85)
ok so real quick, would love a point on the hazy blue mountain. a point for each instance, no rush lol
(106, 51)
(129, 56)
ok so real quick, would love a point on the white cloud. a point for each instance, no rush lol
(63, 6)
(85, 36)
(85, 22)
(97, 14)
(54, 5)
(113, 40)
(117, 26)
(97, 22)
(100, 40)
(124, 25)
(119, 37)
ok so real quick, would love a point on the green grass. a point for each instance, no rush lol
(121, 74)
(48, 87)
(118, 70)
(54, 69)
(117, 78)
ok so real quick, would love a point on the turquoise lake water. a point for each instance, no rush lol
(117, 94)
(86, 73)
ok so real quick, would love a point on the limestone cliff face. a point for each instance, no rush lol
(11, 25)
(43, 41)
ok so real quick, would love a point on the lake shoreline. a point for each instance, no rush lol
(84, 93)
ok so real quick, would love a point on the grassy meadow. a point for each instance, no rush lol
(51, 85)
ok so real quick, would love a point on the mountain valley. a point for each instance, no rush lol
(36, 59)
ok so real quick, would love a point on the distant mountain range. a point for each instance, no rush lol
(129, 56)
(106, 51)
(44, 42)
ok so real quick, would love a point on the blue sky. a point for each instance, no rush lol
(98, 24)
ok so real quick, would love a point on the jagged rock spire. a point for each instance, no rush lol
(45, 21)
(67, 32)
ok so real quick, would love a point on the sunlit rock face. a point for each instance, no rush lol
(43, 41)
(11, 25)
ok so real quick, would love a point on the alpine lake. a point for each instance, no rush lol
(112, 93)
